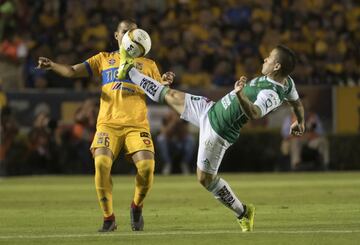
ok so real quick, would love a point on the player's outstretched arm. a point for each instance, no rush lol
(298, 127)
(78, 70)
(252, 111)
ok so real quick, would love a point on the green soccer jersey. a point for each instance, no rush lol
(226, 116)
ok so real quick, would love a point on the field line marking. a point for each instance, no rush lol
(167, 233)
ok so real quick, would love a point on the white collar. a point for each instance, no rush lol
(275, 82)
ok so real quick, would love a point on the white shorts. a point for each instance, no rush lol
(212, 147)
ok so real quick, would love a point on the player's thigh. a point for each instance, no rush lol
(142, 155)
(108, 139)
(195, 108)
(176, 100)
(102, 151)
(139, 145)
(212, 149)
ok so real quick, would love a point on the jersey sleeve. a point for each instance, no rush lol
(155, 72)
(93, 65)
(267, 100)
(293, 94)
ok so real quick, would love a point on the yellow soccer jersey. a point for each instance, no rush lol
(122, 103)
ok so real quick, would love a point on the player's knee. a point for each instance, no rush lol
(145, 169)
(175, 97)
(103, 164)
(171, 94)
(205, 180)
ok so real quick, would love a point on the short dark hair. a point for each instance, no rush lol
(128, 22)
(287, 59)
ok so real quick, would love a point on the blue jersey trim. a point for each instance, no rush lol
(110, 75)
(88, 68)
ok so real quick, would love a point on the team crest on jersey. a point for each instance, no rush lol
(139, 66)
(111, 61)
(147, 142)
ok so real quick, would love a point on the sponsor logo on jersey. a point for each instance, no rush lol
(147, 142)
(112, 61)
(149, 86)
(145, 134)
(195, 98)
(226, 101)
(119, 86)
(206, 162)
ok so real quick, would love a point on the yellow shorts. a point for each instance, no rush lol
(133, 139)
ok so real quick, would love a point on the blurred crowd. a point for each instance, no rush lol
(48, 146)
(206, 43)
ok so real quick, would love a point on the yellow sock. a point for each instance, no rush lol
(103, 183)
(143, 180)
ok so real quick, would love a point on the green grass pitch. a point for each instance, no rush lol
(301, 208)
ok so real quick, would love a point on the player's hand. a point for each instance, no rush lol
(44, 63)
(240, 84)
(168, 78)
(297, 129)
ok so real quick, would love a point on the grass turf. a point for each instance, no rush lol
(301, 208)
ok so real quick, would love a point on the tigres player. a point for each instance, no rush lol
(122, 123)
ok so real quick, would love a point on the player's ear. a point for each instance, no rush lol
(277, 67)
(116, 35)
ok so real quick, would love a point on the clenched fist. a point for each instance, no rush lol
(240, 84)
(44, 63)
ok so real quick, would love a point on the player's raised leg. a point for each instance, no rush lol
(158, 92)
(152, 88)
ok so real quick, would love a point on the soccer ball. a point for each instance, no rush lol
(136, 42)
